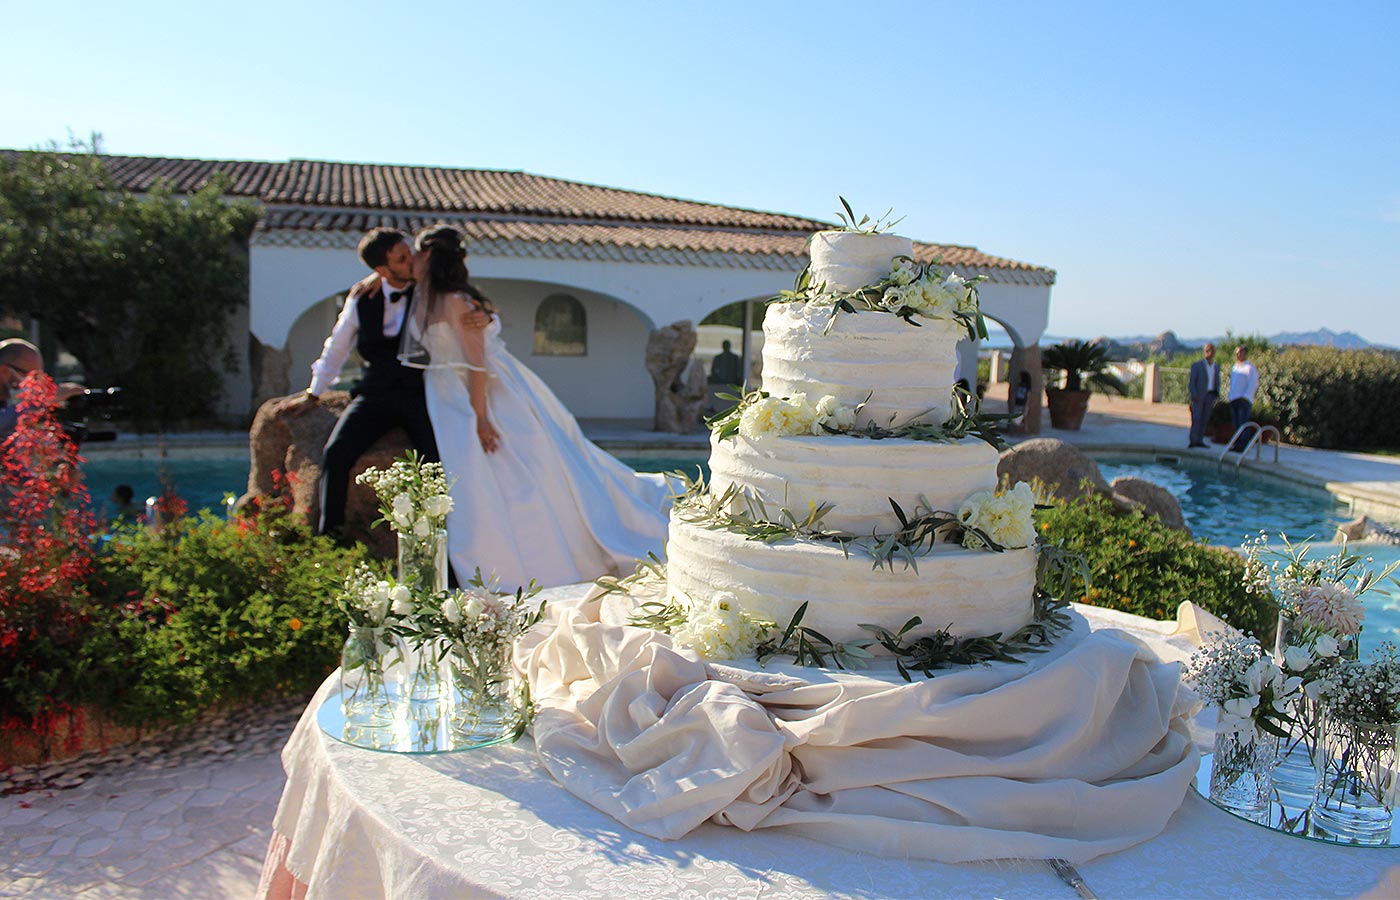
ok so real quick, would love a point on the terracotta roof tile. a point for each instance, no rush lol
(501, 205)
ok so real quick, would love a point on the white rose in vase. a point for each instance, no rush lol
(438, 506)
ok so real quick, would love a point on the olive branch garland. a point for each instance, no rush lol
(919, 531)
(1058, 575)
(870, 297)
(967, 420)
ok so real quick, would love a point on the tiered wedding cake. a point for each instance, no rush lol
(878, 371)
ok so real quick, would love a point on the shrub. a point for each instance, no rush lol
(1326, 397)
(45, 613)
(1141, 566)
(211, 612)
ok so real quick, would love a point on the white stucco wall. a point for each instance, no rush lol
(623, 302)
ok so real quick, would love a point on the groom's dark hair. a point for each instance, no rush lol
(376, 244)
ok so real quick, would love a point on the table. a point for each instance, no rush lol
(490, 823)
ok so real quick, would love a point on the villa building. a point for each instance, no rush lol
(581, 274)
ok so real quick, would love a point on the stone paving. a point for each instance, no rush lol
(183, 814)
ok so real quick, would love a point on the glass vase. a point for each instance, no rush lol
(1356, 779)
(424, 675)
(486, 705)
(1241, 774)
(365, 697)
(423, 561)
(1295, 774)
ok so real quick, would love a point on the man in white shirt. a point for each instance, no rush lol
(1203, 386)
(1244, 382)
(389, 393)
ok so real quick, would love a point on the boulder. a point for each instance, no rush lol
(1063, 468)
(1153, 499)
(286, 453)
(1355, 530)
(679, 399)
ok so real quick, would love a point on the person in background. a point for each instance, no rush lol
(17, 359)
(1244, 382)
(727, 368)
(125, 511)
(1203, 386)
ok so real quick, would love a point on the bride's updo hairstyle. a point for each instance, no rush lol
(447, 264)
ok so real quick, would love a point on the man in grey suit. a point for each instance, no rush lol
(1204, 387)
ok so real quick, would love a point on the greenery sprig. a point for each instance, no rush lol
(876, 297)
(865, 225)
(966, 420)
(919, 531)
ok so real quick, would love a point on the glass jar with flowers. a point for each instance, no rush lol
(477, 628)
(1319, 623)
(1251, 694)
(414, 501)
(370, 650)
(1356, 756)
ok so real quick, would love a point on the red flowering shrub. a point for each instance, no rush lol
(46, 555)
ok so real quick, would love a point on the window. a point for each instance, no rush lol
(560, 327)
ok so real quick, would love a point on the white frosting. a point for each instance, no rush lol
(905, 371)
(857, 476)
(970, 592)
(844, 260)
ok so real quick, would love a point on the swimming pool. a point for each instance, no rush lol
(1227, 506)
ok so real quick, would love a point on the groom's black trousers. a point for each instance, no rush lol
(371, 415)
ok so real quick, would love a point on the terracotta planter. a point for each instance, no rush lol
(1067, 408)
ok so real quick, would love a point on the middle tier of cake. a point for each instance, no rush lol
(857, 476)
(970, 592)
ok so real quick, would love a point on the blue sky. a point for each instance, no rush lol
(1192, 166)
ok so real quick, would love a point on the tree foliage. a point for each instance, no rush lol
(139, 288)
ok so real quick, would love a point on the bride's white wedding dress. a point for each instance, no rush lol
(548, 504)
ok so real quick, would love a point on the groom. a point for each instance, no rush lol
(389, 393)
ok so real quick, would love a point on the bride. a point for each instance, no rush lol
(532, 497)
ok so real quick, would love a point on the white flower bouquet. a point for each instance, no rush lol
(762, 415)
(1252, 692)
(718, 628)
(413, 495)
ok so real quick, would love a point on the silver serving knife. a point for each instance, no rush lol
(1070, 876)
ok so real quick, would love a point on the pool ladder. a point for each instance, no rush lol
(1255, 442)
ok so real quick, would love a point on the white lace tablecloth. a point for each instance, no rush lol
(491, 823)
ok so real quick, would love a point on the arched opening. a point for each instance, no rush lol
(561, 327)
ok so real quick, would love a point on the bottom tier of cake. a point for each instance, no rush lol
(969, 592)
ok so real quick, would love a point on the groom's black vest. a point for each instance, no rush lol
(382, 371)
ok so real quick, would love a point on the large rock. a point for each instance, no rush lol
(1065, 470)
(287, 450)
(680, 399)
(1153, 499)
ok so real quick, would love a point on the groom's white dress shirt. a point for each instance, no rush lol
(326, 369)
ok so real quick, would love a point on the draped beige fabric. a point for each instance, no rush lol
(1078, 752)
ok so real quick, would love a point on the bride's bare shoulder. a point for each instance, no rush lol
(461, 298)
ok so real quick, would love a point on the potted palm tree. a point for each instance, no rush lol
(1085, 364)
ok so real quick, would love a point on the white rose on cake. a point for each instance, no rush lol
(1007, 519)
(935, 300)
(904, 272)
(719, 629)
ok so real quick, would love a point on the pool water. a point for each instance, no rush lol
(201, 483)
(1227, 506)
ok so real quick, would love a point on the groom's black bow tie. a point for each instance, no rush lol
(396, 296)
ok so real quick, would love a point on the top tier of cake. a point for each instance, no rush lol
(901, 372)
(845, 260)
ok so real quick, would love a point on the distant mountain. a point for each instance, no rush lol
(1325, 337)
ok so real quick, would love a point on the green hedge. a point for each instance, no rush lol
(213, 612)
(1325, 397)
(1141, 566)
